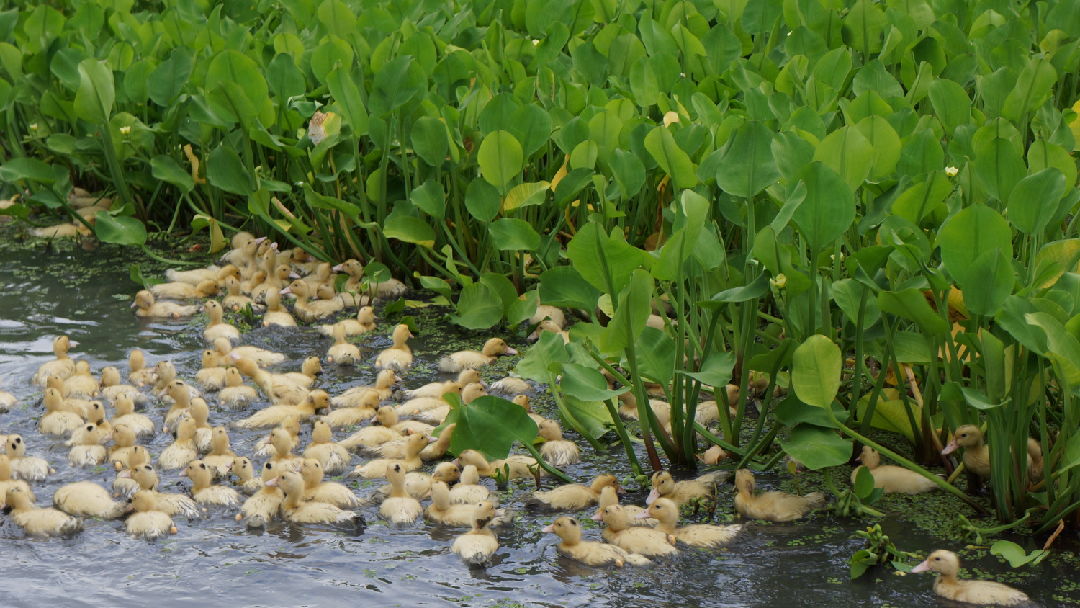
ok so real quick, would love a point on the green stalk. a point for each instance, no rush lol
(624, 438)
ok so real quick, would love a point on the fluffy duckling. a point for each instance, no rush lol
(440, 446)
(383, 387)
(245, 475)
(511, 385)
(892, 478)
(87, 499)
(6, 481)
(771, 506)
(399, 356)
(200, 413)
(234, 299)
(242, 249)
(60, 366)
(138, 374)
(589, 552)
(202, 488)
(182, 450)
(306, 309)
(309, 371)
(374, 469)
(7, 401)
(523, 402)
(265, 502)
(164, 375)
(221, 457)
(276, 313)
(977, 453)
(123, 446)
(58, 418)
(399, 507)
(556, 450)
(468, 489)
(145, 305)
(666, 513)
(645, 541)
(478, 544)
(178, 290)
(363, 409)
(325, 491)
(227, 353)
(436, 415)
(951, 587)
(664, 486)
(124, 484)
(29, 468)
(291, 426)
(609, 496)
(388, 417)
(372, 436)
(236, 394)
(298, 510)
(468, 359)
(443, 511)
(180, 394)
(169, 502)
(418, 484)
(37, 521)
(332, 456)
(211, 376)
(573, 496)
(342, 352)
(148, 520)
(81, 383)
(316, 400)
(436, 390)
(283, 443)
(517, 466)
(362, 324)
(384, 290)
(275, 280)
(216, 327)
(198, 275)
(113, 387)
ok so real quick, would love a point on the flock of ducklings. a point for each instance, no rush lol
(292, 487)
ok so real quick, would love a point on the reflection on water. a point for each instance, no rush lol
(215, 561)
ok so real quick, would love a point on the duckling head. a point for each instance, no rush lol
(941, 561)
(319, 399)
(16, 447)
(468, 376)
(663, 510)
(566, 528)
(311, 366)
(312, 472)
(142, 501)
(386, 379)
(110, 376)
(550, 430)
(446, 472)
(143, 300)
(869, 457)
(471, 392)
(662, 484)
(497, 346)
(966, 436)
(744, 481)
(16, 499)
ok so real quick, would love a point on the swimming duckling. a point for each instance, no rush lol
(298, 510)
(169, 502)
(398, 356)
(220, 459)
(573, 496)
(370, 437)
(276, 278)
(216, 327)
(202, 488)
(138, 374)
(198, 275)
(29, 468)
(87, 499)
(468, 489)
(73, 404)
(478, 544)
(437, 415)
(245, 475)
(609, 496)
(362, 324)
(123, 484)
(514, 466)
(148, 520)
(438, 448)
(325, 491)
(60, 366)
(468, 359)
(556, 450)
(182, 450)
(309, 371)
(81, 383)
(236, 394)
(291, 426)
(418, 483)
(37, 521)
(200, 413)
(276, 313)
(363, 409)
(977, 453)
(227, 353)
(234, 299)
(666, 513)
(113, 387)
(164, 375)
(522, 401)
(399, 507)
(384, 290)
(645, 541)
(242, 250)
(383, 387)
(178, 290)
(388, 417)
(892, 478)
(951, 587)
(316, 400)
(436, 390)
(180, 393)
(6, 481)
(211, 376)
(373, 469)
(306, 309)
(592, 553)
(684, 491)
(771, 506)
(283, 443)
(123, 446)
(342, 352)
(146, 306)
(332, 456)
(511, 385)
(443, 511)
(713, 455)
(265, 502)
(58, 418)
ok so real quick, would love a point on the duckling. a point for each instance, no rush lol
(148, 520)
(236, 394)
(227, 353)
(364, 409)
(306, 309)
(164, 374)
(180, 393)
(951, 587)
(342, 352)
(550, 313)
(478, 544)
(6, 481)
(37, 521)
(370, 437)
(245, 475)
(60, 366)
(198, 275)
(440, 446)
(29, 468)
(216, 327)
(666, 513)
(325, 491)
(592, 553)
(211, 376)
(436, 390)
(254, 280)
(373, 469)
(275, 281)
(399, 507)
(204, 433)
(388, 417)
(182, 450)
(522, 401)
(556, 450)
(319, 277)
(892, 478)
(573, 496)
(87, 499)
(283, 443)
(81, 383)
(977, 453)
(291, 426)
(442, 511)
(124, 484)
(684, 491)
(645, 541)
(298, 510)
(713, 455)
(202, 488)
(234, 299)
(383, 387)
(146, 306)
(771, 506)
(467, 359)
(609, 496)
(275, 414)
(178, 290)
(123, 446)
(171, 503)
(58, 418)
(549, 326)
(511, 385)
(362, 324)
(519, 467)
(220, 459)
(417, 405)
(276, 313)
(418, 484)
(332, 456)
(7, 401)
(76, 405)
(468, 489)
(265, 501)
(112, 386)
(138, 375)
(242, 249)
(399, 356)
(384, 290)
(436, 415)
(95, 414)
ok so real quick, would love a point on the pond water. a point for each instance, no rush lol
(215, 561)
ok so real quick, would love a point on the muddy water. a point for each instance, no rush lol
(215, 561)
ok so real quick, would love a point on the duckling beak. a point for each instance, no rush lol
(260, 240)
(271, 483)
(548, 529)
(923, 567)
(642, 515)
(125, 474)
(652, 497)
(134, 304)
(337, 268)
(431, 439)
(293, 275)
(285, 291)
(183, 473)
(511, 351)
(949, 449)
(597, 517)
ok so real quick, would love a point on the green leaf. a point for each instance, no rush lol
(429, 140)
(96, 93)
(592, 416)
(885, 143)
(430, 198)
(977, 399)
(860, 562)
(591, 243)
(674, 160)
(166, 169)
(525, 195)
(30, 169)
(1034, 199)
(743, 293)
(815, 373)
(543, 358)
(167, 80)
(120, 230)
(410, 229)
(482, 200)
(747, 165)
(586, 384)
(998, 166)
(715, 369)
(910, 304)
(816, 448)
(1071, 458)
(1015, 554)
(1031, 90)
(226, 171)
(564, 286)
(951, 103)
(848, 153)
(828, 209)
(343, 87)
(656, 355)
(232, 70)
(629, 172)
(967, 235)
(478, 307)
(396, 83)
(864, 483)
(500, 158)
(491, 425)
(512, 234)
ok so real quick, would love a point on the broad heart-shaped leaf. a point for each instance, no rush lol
(828, 209)
(967, 235)
(1015, 554)
(429, 140)
(715, 370)
(542, 359)
(847, 152)
(1032, 89)
(815, 371)
(990, 281)
(226, 171)
(169, 77)
(166, 169)
(500, 158)
(1011, 317)
(951, 103)
(885, 143)
(409, 228)
(396, 83)
(630, 315)
(343, 87)
(747, 165)
(233, 67)
(490, 425)
(586, 384)
(656, 355)
(478, 307)
(591, 416)
(96, 93)
(998, 167)
(1034, 199)
(482, 200)
(591, 249)
(629, 172)
(30, 169)
(910, 304)
(525, 195)
(430, 198)
(815, 447)
(755, 289)
(864, 483)
(1062, 347)
(121, 230)
(564, 286)
(512, 234)
(674, 160)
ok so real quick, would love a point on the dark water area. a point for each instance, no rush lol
(216, 561)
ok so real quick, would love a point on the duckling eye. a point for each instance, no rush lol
(268, 467)
(202, 466)
(937, 559)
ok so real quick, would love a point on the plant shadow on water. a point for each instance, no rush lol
(215, 561)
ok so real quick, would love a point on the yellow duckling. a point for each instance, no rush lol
(198, 275)
(362, 324)
(181, 396)
(283, 443)
(81, 383)
(227, 353)
(384, 290)
(87, 499)
(342, 352)
(609, 496)
(182, 450)
(320, 276)
(443, 511)
(148, 520)
(435, 390)
(478, 544)
(316, 400)
(977, 453)
(275, 280)
(216, 326)
(7, 401)
(124, 484)
(374, 469)
(383, 387)
(37, 521)
(221, 457)
(892, 478)
(663, 486)
(123, 446)
(309, 371)
(298, 510)
(418, 484)
(138, 374)
(178, 290)
(468, 359)
(79, 406)
(951, 587)
(145, 305)
(333, 457)
(363, 408)
(113, 387)
(242, 249)
(468, 489)
(437, 415)
(265, 501)
(372, 436)
(290, 425)
(245, 475)
(388, 417)
(276, 313)
(644, 541)
(306, 309)
(165, 372)
(589, 552)
(556, 450)
(514, 466)
(234, 299)
(666, 513)
(236, 394)
(325, 491)
(202, 488)
(171, 503)
(7, 482)
(211, 376)
(440, 446)
(58, 418)
(573, 496)
(29, 468)
(200, 413)
(399, 356)
(60, 366)
(771, 506)
(511, 385)
(399, 507)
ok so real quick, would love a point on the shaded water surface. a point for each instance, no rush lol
(214, 561)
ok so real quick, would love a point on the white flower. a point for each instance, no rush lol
(951, 171)
(536, 42)
(33, 126)
(125, 130)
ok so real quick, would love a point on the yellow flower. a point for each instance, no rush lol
(779, 281)
(951, 171)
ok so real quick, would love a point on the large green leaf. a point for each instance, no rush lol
(828, 209)
(1034, 199)
(429, 140)
(656, 355)
(715, 369)
(409, 228)
(343, 87)
(951, 103)
(429, 198)
(591, 251)
(169, 77)
(121, 230)
(512, 234)
(1031, 90)
(490, 425)
(966, 236)
(30, 169)
(674, 160)
(542, 360)
(478, 307)
(564, 286)
(816, 448)
(815, 373)
(96, 93)
(501, 158)
(586, 384)
(747, 165)
(226, 171)
(910, 304)
(848, 153)
(168, 170)
(231, 69)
